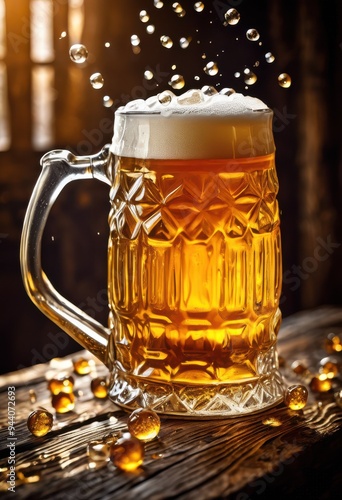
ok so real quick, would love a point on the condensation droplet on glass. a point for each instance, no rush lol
(209, 90)
(177, 82)
(165, 97)
(135, 40)
(284, 80)
(237, 74)
(78, 53)
(96, 81)
(232, 16)
(199, 6)
(184, 42)
(150, 29)
(252, 35)
(211, 68)
(227, 91)
(107, 101)
(250, 78)
(158, 4)
(143, 16)
(166, 41)
(269, 57)
(63, 35)
(148, 75)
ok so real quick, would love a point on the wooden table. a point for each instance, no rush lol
(275, 454)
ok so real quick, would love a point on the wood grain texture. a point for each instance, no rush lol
(237, 458)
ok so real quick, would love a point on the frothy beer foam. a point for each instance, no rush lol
(193, 126)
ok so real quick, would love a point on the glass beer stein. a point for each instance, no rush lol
(194, 255)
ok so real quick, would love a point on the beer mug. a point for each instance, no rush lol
(194, 255)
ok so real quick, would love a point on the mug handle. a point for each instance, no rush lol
(59, 167)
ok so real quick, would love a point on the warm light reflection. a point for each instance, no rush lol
(43, 94)
(42, 49)
(5, 129)
(2, 29)
(75, 21)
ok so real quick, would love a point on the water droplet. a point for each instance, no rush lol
(185, 42)
(211, 68)
(199, 6)
(135, 40)
(96, 81)
(232, 16)
(78, 53)
(209, 90)
(250, 78)
(284, 80)
(63, 35)
(144, 17)
(150, 29)
(177, 82)
(253, 35)
(165, 97)
(166, 41)
(269, 57)
(158, 4)
(227, 91)
(108, 101)
(148, 75)
(237, 74)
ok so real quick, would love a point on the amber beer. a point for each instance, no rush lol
(194, 249)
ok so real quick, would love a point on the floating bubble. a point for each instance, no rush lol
(253, 35)
(227, 91)
(209, 90)
(135, 40)
(166, 41)
(107, 44)
(204, 56)
(184, 42)
(78, 53)
(256, 64)
(158, 4)
(196, 78)
(177, 7)
(143, 16)
(173, 67)
(148, 75)
(269, 57)
(232, 16)
(165, 97)
(177, 82)
(150, 29)
(107, 101)
(284, 80)
(211, 68)
(96, 81)
(199, 6)
(63, 35)
(237, 74)
(250, 78)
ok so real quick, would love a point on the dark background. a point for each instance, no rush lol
(305, 37)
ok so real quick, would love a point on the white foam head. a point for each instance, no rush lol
(193, 126)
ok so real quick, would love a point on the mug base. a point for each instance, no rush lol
(205, 401)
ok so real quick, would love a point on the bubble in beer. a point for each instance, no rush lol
(284, 80)
(78, 53)
(184, 42)
(199, 6)
(250, 78)
(232, 16)
(227, 91)
(211, 68)
(165, 97)
(158, 4)
(269, 57)
(148, 75)
(166, 41)
(63, 35)
(96, 81)
(237, 74)
(209, 90)
(150, 29)
(135, 40)
(252, 35)
(177, 82)
(107, 44)
(177, 7)
(107, 101)
(144, 17)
